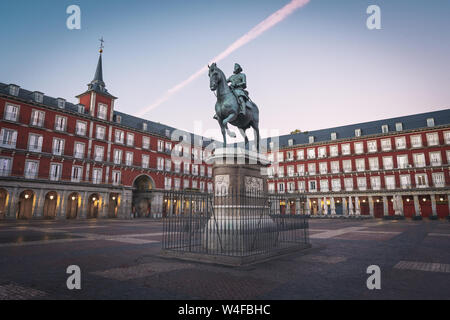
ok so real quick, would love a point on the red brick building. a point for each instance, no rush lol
(379, 168)
(60, 160)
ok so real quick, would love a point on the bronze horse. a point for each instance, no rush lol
(227, 108)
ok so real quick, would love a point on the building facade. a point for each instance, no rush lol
(397, 166)
(64, 161)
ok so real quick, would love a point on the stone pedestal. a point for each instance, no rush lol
(241, 222)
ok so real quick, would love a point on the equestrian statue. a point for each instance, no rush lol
(233, 103)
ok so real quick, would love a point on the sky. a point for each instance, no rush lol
(320, 67)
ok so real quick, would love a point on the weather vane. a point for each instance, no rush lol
(101, 44)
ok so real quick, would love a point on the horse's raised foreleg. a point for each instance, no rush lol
(230, 118)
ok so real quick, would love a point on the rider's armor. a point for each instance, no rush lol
(238, 85)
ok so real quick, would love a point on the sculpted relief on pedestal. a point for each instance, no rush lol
(253, 185)
(222, 184)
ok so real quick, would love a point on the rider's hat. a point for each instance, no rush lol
(237, 68)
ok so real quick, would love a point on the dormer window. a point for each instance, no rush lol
(38, 96)
(333, 136)
(384, 128)
(290, 142)
(118, 119)
(102, 111)
(144, 126)
(167, 133)
(311, 139)
(357, 132)
(61, 103)
(14, 90)
(398, 126)
(430, 122)
(80, 108)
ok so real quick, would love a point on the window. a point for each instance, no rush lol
(335, 166)
(322, 152)
(390, 182)
(8, 138)
(372, 146)
(416, 141)
(61, 103)
(362, 183)
(186, 183)
(334, 151)
(177, 166)
(38, 96)
(79, 150)
(357, 132)
(119, 136)
(11, 112)
(202, 171)
(430, 122)
(160, 164)
(311, 153)
(144, 126)
(386, 144)
(400, 143)
(421, 180)
(31, 169)
(35, 143)
(388, 163)
(359, 147)
(80, 128)
(117, 156)
(323, 168)
(280, 187)
(37, 118)
(271, 187)
(398, 126)
(291, 187)
(439, 179)
(290, 155)
(435, 158)
(145, 143)
(324, 186)
(80, 108)
(312, 186)
(281, 171)
(311, 139)
(348, 183)
(336, 184)
(55, 171)
(375, 183)
(145, 161)
(102, 111)
(98, 153)
(77, 173)
(333, 136)
(5, 166)
(168, 165)
(345, 149)
(402, 161)
(130, 139)
(167, 183)
(187, 168)
(301, 169)
(290, 142)
(168, 147)
(58, 146)
(347, 165)
(301, 186)
(210, 172)
(177, 183)
(301, 153)
(311, 168)
(405, 181)
(448, 156)
(129, 158)
(374, 164)
(360, 164)
(419, 159)
(290, 171)
(100, 132)
(280, 156)
(432, 139)
(96, 176)
(60, 123)
(116, 177)
(384, 128)
(13, 90)
(160, 146)
(447, 137)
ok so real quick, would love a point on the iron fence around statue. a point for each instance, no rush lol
(233, 224)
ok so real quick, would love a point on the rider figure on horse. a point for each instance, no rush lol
(238, 85)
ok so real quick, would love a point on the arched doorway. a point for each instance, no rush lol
(3, 202)
(73, 203)
(142, 187)
(50, 205)
(93, 206)
(113, 205)
(26, 203)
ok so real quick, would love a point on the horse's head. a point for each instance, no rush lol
(213, 77)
